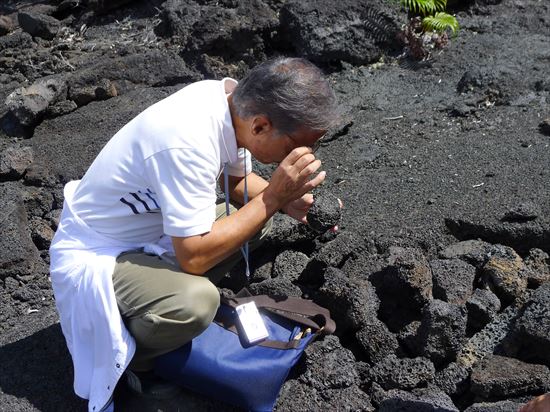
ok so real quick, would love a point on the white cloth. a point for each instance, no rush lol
(81, 268)
(169, 157)
(166, 160)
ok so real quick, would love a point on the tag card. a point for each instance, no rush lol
(252, 323)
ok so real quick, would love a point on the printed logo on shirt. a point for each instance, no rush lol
(142, 202)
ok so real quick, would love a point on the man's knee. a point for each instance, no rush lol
(203, 301)
(185, 314)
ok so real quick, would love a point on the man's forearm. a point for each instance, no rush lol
(255, 185)
(198, 254)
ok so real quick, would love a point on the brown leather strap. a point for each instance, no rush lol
(299, 310)
(268, 343)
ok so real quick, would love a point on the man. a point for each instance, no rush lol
(120, 307)
(539, 404)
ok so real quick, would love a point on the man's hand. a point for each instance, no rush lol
(538, 404)
(292, 179)
(298, 208)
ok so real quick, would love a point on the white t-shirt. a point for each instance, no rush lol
(158, 174)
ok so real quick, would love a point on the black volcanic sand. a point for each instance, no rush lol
(439, 278)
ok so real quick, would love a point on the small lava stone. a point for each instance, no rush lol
(324, 213)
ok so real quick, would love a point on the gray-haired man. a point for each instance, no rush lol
(156, 180)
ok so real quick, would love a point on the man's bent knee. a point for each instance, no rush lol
(203, 301)
(184, 315)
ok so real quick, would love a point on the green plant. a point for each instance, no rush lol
(440, 22)
(434, 18)
(424, 6)
(428, 27)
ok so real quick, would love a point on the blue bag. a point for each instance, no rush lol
(221, 365)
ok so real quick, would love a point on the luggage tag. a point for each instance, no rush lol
(251, 322)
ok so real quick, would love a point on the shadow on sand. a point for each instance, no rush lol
(38, 368)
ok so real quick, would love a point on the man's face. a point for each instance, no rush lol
(271, 147)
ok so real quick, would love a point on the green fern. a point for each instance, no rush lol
(440, 5)
(424, 6)
(440, 22)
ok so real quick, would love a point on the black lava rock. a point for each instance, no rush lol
(501, 406)
(474, 252)
(544, 127)
(497, 377)
(324, 213)
(453, 380)
(403, 373)
(482, 308)
(39, 25)
(442, 330)
(532, 329)
(522, 212)
(453, 280)
(419, 400)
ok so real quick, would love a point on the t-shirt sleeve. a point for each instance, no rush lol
(237, 168)
(185, 184)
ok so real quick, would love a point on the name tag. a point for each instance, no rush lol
(251, 322)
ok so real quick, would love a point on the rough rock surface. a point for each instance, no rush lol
(522, 212)
(454, 380)
(276, 287)
(402, 373)
(6, 25)
(519, 236)
(442, 331)
(18, 254)
(498, 377)
(472, 251)
(427, 151)
(287, 232)
(289, 265)
(544, 127)
(14, 161)
(27, 105)
(376, 341)
(39, 25)
(501, 406)
(404, 286)
(488, 339)
(352, 302)
(419, 400)
(341, 252)
(505, 273)
(302, 398)
(355, 36)
(482, 308)
(453, 280)
(532, 328)
(538, 263)
(324, 213)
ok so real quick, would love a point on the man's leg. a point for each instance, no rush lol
(165, 308)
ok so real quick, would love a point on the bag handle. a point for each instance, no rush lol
(299, 310)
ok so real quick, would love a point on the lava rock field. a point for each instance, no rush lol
(439, 275)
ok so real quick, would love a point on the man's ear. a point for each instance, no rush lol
(261, 125)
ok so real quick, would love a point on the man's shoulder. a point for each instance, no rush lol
(190, 101)
(197, 89)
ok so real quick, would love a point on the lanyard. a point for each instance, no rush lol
(244, 248)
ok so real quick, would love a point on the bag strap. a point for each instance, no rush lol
(268, 343)
(299, 310)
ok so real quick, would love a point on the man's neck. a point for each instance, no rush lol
(236, 121)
